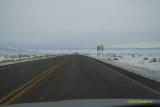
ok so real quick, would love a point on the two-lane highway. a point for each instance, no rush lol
(68, 77)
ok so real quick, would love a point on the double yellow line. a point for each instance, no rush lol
(11, 97)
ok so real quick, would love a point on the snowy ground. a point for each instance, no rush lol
(15, 55)
(11, 59)
(143, 62)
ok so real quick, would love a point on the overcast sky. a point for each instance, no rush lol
(47, 24)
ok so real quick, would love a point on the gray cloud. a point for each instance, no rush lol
(79, 23)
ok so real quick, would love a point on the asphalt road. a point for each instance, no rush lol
(71, 77)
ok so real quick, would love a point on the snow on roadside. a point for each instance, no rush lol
(145, 63)
(12, 59)
(15, 55)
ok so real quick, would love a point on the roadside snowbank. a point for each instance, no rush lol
(145, 63)
(12, 59)
(14, 55)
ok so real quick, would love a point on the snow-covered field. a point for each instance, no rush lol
(145, 62)
(14, 55)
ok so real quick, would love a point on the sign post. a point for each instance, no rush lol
(99, 49)
(102, 49)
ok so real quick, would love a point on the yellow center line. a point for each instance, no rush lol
(15, 91)
(18, 92)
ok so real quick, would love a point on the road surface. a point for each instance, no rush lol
(71, 77)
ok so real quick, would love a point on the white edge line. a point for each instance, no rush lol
(23, 62)
(127, 77)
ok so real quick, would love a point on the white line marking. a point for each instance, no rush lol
(126, 77)
(22, 63)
